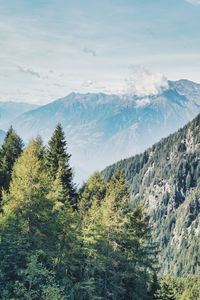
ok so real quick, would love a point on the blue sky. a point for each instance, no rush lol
(50, 48)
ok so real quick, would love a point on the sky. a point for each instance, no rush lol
(50, 48)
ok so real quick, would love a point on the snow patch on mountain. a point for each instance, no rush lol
(142, 102)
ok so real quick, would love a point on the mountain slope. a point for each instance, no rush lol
(111, 127)
(167, 178)
(11, 110)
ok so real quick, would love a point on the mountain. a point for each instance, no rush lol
(11, 110)
(101, 129)
(166, 177)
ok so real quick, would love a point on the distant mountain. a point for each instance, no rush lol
(11, 110)
(2, 136)
(102, 129)
(166, 177)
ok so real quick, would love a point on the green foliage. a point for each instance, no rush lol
(179, 289)
(58, 161)
(10, 151)
(119, 261)
(27, 193)
(26, 220)
(92, 191)
(101, 250)
(166, 178)
(37, 279)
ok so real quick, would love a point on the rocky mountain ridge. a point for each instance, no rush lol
(101, 129)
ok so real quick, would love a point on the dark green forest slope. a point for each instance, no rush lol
(167, 178)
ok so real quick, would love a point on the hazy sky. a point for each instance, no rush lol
(50, 48)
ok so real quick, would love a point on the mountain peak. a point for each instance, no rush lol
(111, 127)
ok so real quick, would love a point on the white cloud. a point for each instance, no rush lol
(195, 2)
(143, 83)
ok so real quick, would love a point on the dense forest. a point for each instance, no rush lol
(166, 177)
(96, 242)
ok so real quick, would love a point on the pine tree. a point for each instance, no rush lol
(93, 190)
(58, 160)
(41, 147)
(27, 220)
(11, 150)
(154, 286)
(166, 290)
(118, 257)
(39, 246)
(118, 189)
(27, 196)
(65, 224)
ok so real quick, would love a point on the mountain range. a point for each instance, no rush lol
(101, 129)
(166, 178)
(11, 110)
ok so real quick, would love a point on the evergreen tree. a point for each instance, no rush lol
(166, 291)
(58, 160)
(169, 289)
(41, 147)
(154, 287)
(27, 221)
(27, 196)
(117, 188)
(93, 190)
(39, 246)
(118, 258)
(66, 225)
(11, 150)
(179, 288)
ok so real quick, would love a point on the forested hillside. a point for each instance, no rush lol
(57, 242)
(166, 177)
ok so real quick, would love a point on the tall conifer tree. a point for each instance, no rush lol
(58, 161)
(93, 190)
(118, 256)
(26, 224)
(10, 151)
(27, 196)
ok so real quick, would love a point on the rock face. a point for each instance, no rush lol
(167, 178)
(101, 129)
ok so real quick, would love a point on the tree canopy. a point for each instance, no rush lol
(99, 247)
